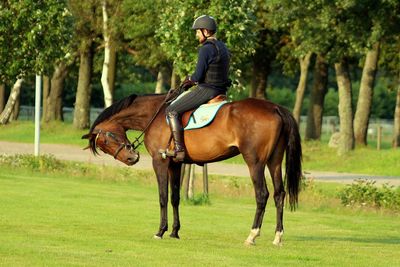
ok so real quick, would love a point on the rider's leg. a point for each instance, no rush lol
(191, 100)
(177, 134)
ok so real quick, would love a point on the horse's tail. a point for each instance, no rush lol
(293, 155)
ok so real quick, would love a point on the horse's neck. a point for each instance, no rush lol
(139, 114)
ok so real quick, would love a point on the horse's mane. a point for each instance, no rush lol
(113, 109)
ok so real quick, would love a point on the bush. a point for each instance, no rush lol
(42, 163)
(365, 193)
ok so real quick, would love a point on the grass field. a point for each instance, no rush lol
(82, 217)
(317, 156)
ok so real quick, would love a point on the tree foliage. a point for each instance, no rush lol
(236, 27)
(32, 34)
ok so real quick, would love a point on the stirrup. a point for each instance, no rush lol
(177, 156)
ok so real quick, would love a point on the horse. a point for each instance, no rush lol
(258, 129)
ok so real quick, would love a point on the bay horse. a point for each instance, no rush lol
(259, 130)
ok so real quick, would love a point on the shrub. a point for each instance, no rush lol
(365, 193)
(42, 163)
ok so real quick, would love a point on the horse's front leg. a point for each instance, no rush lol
(161, 169)
(175, 175)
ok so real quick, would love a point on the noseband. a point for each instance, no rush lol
(113, 136)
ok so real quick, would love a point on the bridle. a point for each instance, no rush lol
(171, 95)
(122, 145)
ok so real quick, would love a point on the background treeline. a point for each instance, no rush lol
(315, 57)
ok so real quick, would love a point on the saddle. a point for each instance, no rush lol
(190, 114)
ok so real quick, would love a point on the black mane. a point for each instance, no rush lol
(113, 109)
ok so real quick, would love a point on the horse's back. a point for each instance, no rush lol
(252, 110)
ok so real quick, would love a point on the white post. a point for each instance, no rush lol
(37, 112)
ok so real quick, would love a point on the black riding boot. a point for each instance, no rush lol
(177, 134)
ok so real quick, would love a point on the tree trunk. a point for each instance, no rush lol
(54, 99)
(108, 97)
(316, 107)
(346, 142)
(301, 87)
(15, 112)
(396, 129)
(84, 90)
(161, 80)
(112, 69)
(2, 96)
(260, 74)
(174, 80)
(45, 96)
(364, 102)
(14, 94)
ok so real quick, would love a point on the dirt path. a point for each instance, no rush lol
(75, 153)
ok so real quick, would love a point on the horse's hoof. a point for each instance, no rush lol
(174, 236)
(277, 243)
(249, 243)
(278, 239)
(157, 237)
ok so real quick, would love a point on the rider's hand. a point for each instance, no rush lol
(187, 83)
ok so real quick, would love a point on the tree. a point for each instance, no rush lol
(25, 49)
(308, 33)
(363, 111)
(268, 42)
(53, 111)
(396, 128)
(318, 92)
(110, 53)
(236, 24)
(86, 23)
(8, 109)
(138, 23)
(2, 96)
(345, 108)
(301, 87)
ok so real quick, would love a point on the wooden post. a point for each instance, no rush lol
(205, 180)
(186, 180)
(183, 168)
(379, 138)
(191, 182)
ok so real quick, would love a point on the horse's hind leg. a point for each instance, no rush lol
(275, 169)
(261, 192)
(174, 175)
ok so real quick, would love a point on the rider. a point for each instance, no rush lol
(210, 76)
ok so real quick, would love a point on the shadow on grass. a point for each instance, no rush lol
(388, 240)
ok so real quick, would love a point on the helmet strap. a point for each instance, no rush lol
(202, 32)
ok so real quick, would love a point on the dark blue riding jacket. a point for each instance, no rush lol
(212, 69)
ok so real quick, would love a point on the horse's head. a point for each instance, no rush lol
(113, 142)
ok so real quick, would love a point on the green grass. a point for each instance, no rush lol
(317, 156)
(84, 215)
(52, 133)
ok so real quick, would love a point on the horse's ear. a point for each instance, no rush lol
(86, 136)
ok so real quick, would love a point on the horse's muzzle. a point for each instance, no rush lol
(132, 159)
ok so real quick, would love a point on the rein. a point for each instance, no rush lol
(171, 95)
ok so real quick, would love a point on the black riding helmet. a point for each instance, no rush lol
(205, 22)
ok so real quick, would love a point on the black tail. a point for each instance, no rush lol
(293, 156)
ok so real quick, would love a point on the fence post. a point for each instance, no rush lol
(191, 182)
(379, 138)
(205, 180)
(185, 181)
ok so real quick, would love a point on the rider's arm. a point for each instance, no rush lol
(204, 59)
